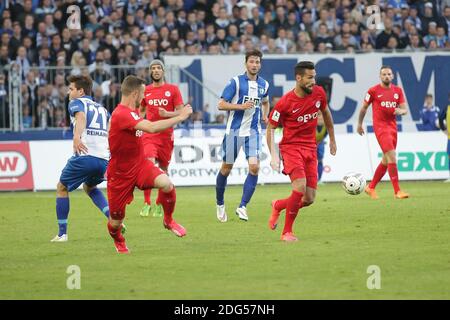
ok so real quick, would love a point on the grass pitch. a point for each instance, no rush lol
(340, 237)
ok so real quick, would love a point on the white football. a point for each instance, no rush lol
(353, 183)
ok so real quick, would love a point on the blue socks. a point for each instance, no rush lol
(100, 201)
(62, 212)
(249, 189)
(221, 183)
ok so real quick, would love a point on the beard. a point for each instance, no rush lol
(386, 83)
(307, 90)
(154, 79)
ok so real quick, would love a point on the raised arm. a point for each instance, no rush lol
(158, 126)
(170, 114)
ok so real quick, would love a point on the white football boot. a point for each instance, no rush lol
(241, 212)
(221, 213)
(63, 238)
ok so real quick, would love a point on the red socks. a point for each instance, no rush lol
(294, 203)
(281, 204)
(393, 174)
(147, 194)
(379, 173)
(168, 201)
(116, 234)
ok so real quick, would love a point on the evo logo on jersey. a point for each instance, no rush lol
(158, 102)
(389, 104)
(256, 101)
(309, 116)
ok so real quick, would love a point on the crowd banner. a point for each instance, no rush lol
(196, 160)
(16, 172)
(418, 73)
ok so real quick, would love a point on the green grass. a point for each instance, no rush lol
(340, 236)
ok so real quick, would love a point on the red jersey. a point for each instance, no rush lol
(124, 143)
(167, 96)
(384, 101)
(298, 117)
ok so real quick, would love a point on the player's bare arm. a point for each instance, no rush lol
(142, 110)
(265, 111)
(362, 114)
(80, 125)
(401, 110)
(275, 159)
(170, 114)
(328, 120)
(227, 106)
(158, 126)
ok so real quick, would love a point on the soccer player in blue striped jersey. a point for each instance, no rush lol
(87, 166)
(246, 99)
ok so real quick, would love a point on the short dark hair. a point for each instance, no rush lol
(385, 67)
(130, 84)
(253, 53)
(81, 82)
(302, 66)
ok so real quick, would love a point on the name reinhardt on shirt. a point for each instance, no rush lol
(95, 132)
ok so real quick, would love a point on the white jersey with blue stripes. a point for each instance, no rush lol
(95, 135)
(239, 90)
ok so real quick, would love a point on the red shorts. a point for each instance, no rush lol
(159, 149)
(120, 190)
(300, 162)
(387, 140)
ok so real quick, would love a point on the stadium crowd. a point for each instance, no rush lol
(34, 35)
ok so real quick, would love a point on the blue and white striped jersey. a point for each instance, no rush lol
(95, 135)
(239, 90)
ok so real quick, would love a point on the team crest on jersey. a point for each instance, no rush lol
(318, 104)
(261, 90)
(139, 133)
(167, 94)
(396, 96)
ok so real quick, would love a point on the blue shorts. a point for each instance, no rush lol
(320, 151)
(231, 145)
(83, 169)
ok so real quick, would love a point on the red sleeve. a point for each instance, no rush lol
(369, 96)
(128, 120)
(275, 115)
(401, 96)
(177, 98)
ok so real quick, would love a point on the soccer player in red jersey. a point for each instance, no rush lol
(161, 101)
(297, 112)
(128, 168)
(387, 102)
